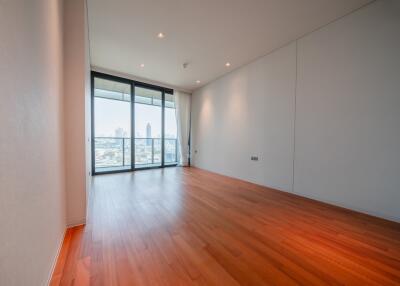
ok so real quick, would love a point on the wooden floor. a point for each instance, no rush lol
(185, 226)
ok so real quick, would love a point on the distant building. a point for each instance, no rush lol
(148, 133)
(119, 132)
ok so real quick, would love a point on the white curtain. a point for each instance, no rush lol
(182, 101)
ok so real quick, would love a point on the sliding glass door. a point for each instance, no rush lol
(148, 127)
(133, 125)
(112, 125)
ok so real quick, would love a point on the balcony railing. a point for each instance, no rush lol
(115, 152)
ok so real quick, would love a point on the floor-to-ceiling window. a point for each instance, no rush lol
(148, 127)
(112, 125)
(133, 125)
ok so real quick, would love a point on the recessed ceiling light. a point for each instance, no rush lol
(160, 35)
(228, 64)
(197, 81)
(142, 65)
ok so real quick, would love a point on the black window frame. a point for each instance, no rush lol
(133, 84)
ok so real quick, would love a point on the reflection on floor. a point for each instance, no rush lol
(111, 169)
(138, 166)
(185, 226)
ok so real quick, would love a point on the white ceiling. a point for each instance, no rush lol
(204, 33)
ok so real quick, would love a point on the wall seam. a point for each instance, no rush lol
(295, 113)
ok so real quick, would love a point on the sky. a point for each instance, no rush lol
(113, 114)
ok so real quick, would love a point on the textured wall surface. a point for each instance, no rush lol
(32, 194)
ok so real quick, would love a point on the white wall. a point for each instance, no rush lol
(348, 112)
(347, 118)
(32, 195)
(76, 97)
(249, 112)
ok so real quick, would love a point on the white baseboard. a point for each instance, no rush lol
(349, 207)
(60, 243)
(55, 259)
(76, 223)
(315, 198)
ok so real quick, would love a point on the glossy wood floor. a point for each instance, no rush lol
(185, 226)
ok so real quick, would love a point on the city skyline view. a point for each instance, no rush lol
(112, 124)
(113, 115)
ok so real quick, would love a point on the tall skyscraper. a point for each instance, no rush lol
(148, 133)
(119, 132)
